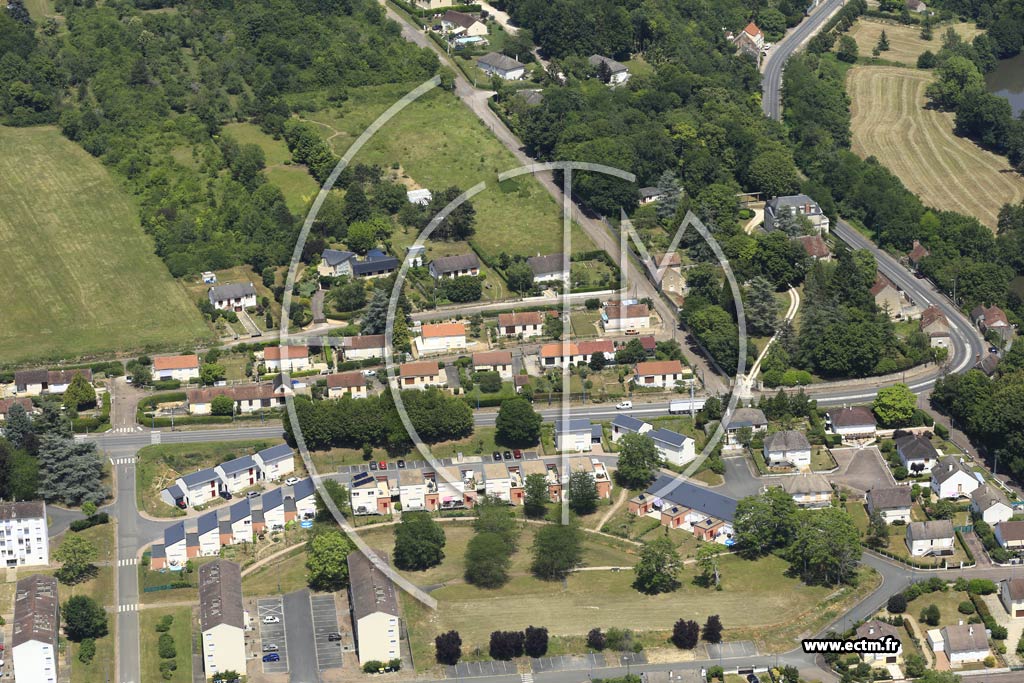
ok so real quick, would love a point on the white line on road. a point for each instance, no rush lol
(134, 607)
(128, 562)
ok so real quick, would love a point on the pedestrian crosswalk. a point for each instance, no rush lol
(527, 678)
(154, 437)
(126, 430)
(133, 607)
(123, 461)
(128, 562)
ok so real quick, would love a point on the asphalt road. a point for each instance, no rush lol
(298, 619)
(775, 62)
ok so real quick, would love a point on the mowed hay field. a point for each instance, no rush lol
(80, 276)
(918, 144)
(905, 42)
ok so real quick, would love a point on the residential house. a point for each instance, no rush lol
(916, 6)
(374, 605)
(666, 270)
(208, 539)
(441, 338)
(300, 500)
(649, 195)
(412, 490)
(35, 382)
(236, 296)
(795, 205)
(1011, 594)
(596, 469)
(918, 253)
(962, 644)
(874, 629)
(276, 462)
(235, 523)
(497, 64)
(273, 509)
(592, 347)
(24, 538)
(346, 384)
(528, 324)
(889, 298)
(181, 368)
(221, 617)
(448, 267)
(787, 448)
(550, 474)
(892, 503)
(673, 447)
(248, 398)
(371, 494)
(815, 247)
(291, 358)
(624, 424)
(742, 418)
(200, 487)
(857, 422)
(420, 375)
(1010, 535)
(494, 361)
(375, 264)
(416, 253)
(7, 403)
(574, 435)
(810, 491)
(35, 630)
(434, 4)
(988, 364)
(662, 374)
(363, 346)
(991, 505)
(952, 479)
(931, 538)
(618, 73)
(560, 354)
(992, 318)
(549, 268)
(238, 474)
(334, 263)
(917, 453)
(498, 481)
(750, 40)
(532, 98)
(462, 24)
(681, 504)
(935, 325)
(626, 318)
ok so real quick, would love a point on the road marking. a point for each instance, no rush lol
(123, 461)
(128, 562)
(134, 607)
(527, 678)
(154, 437)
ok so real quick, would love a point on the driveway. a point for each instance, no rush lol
(861, 469)
(740, 480)
(298, 619)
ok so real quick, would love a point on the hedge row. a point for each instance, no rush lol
(89, 522)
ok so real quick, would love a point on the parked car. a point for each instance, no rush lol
(270, 647)
(272, 657)
(291, 481)
(508, 455)
(993, 349)
(373, 465)
(182, 504)
(624, 405)
(369, 373)
(252, 494)
(517, 454)
(497, 456)
(382, 465)
(333, 637)
(271, 619)
(401, 464)
(226, 495)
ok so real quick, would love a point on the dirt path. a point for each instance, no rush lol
(623, 497)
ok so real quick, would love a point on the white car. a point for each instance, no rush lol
(369, 373)
(291, 481)
(271, 619)
(625, 405)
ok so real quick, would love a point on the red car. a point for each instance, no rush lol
(382, 465)
(517, 454)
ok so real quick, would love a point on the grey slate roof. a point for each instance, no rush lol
(965, 638)
(220, 595)
(304, 488)
(370, 589)
(1015, 587)
(790, 200)
(238, 464)
(628, 422)
(233, 290)
(334, 257)
(692, 496)
(614, 66)
(789, 440)
(272, 499)
(857, 416)
(649, 192)
(747, 417)
(376, 261)
(207, 522)
(175, 492)
(240, 510)
(499, 61)
(986, 496)
(894, 498)
(200, 477)
(806, 483)
(281, 451)
(174, 534)
(30, 509)
(453, 264)
(531, 97)
(547, 264)
(667, 436)
(930, 530)
(948, 467)
(877, 630)
(575, 424)
(916, 447)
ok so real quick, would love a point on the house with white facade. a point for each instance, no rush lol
(930, 539)
(363, 346)
(462, 24)
(497, 64)
(292, 358)
(952, 479)
(917, 453)
(207, 534)
(560, 354)
(857, 422)
(574, 435)
(811, 491)
(494, 361)
(235, 296)
(527, 324)
(238, 474)
(450, 267)
(221, 617)
(24, 538)
(248, 398)
(441, 338)
(370, 494)
(787, 448)
(991, 505)
(7, 403)
(674, 448)
(662, 374)
(1011, 594)
(420, 375)
(892, 503)
(874, 629)
(181, 368)
(36, 382)
(36, 630)
(549, 268)
(335, 263)
(375, 616)
(752, 418)
(962, 644)
(627, 318)
(795, 205)
(617, 72)
(412, 490)
(276, 462)
(346, 384)
(498, 481)
(596, 469)
(1010, 535)
(200, 487)
(624, 424)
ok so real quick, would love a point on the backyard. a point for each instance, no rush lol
(181, 631)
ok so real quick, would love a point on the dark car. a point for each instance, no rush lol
(401, 464)
(373, 465)
(272, 657)
(508, 455)
(751, 678)
(919, 276)
(182, 504)
(333, 637)
(226, 495)
(497, 456)
(993, 349)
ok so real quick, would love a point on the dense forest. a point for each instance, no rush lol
(132, 84)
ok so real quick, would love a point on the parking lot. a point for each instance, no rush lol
(351, 470)
(325, 621)
(741, 648)
(475, 669)
(272, 634)
(566, 663)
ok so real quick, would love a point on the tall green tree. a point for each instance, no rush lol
(826, 547)
(582, 493)
(658, 568)
(419, 542)
(327, 560)
(83, 618)
(79, 394)
(76, 555)
(707, 562)
(638, 461)
(765, 522)
(761, 307)
(18, 429)
(495, 516)
(557, 550)
(518, 424)
(536, 495)
(70, 471)
(895, 405)
(487, 560)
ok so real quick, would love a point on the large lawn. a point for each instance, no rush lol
(181, 631)
(80, 276)
(158, 467)
(437, 142)
(905, 42)
(891, 123)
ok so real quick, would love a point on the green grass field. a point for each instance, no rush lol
(438, 142)
(283, 575)
(181, 631)
(81, 277)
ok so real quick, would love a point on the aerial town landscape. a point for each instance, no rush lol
(519, 341)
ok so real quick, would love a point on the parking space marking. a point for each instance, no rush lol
(272, 634)
(325, 621)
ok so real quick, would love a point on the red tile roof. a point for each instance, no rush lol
(659, 367)
(554, 350)
(815, 246)
(618, 311)
(245, 392)
(525, 318)
(363, 341)
(492, 358)
(7, 403)
(881, 282)
(752, 30)
(176, 362)
(345, 379)
(444, 330)
(604, 346)
(288, 352)
(422, 368)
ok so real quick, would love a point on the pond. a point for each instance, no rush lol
(1008, 81)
